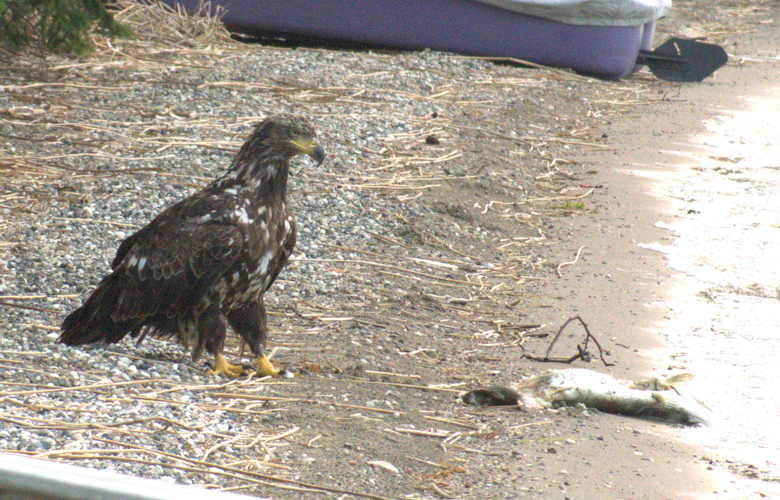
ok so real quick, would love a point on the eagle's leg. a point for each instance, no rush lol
(250, 322)
(212, 330)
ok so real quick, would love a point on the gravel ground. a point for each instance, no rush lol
(423, 241)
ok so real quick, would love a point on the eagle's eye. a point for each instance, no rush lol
(294, 133)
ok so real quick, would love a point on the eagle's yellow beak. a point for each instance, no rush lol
(311, 147)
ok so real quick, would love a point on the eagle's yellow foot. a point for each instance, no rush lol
(222, 367)
(266, 368)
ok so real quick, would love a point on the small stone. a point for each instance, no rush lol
(384, 465)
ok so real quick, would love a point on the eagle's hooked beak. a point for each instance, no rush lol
(318, 153)
(311, 147)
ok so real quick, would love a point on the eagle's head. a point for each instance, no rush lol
(279, 138)
(292, 135)
(264, 158)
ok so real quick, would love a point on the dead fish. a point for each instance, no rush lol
(653, 399)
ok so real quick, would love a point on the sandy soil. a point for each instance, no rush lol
(443, 449)
(615, 282)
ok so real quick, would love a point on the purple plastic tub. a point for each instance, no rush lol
(461, 26)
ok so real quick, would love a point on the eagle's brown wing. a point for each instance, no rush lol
(163, 270)
(171, 268)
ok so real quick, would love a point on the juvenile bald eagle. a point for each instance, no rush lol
(207, 260)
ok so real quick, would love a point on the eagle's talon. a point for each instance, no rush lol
(223, 367)
(265, 368)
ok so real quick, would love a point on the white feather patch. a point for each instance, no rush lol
(242, 216)
(265, 261)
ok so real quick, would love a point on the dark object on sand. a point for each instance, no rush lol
(495, 395)
(684, 60)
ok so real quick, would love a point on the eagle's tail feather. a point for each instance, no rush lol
(92, 322)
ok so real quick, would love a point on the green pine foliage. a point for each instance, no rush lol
(56, 25)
